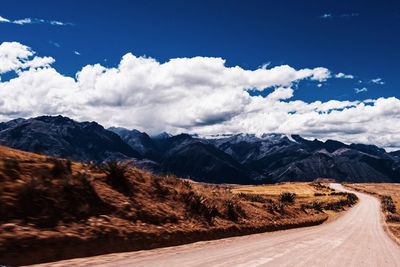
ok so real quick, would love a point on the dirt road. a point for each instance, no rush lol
(356, 238)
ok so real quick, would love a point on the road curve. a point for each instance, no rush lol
(356, 238)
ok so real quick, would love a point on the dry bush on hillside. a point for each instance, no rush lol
(388, 204)
(287, 197)
(116, 177)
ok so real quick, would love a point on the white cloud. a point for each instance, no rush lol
(378, 81)
(2, 19)
(15, 56)
(360, 90)
(281, 93)
(25, 21)
(77, 53)
(339, 16)
(341, 75)
(199, 94)
(326, 16)
(56, 44)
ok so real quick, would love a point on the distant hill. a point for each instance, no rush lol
(62, 137)
(239, 158)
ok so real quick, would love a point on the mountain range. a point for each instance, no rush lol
(236, 158)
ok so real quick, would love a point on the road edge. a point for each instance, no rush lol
(382, 215)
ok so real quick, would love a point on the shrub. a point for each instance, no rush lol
(159, 188)
(334, 205)
(388, 204)
(393, 218)
(233, 210)
(200, 205)
(287, 197)
(316, 206)
(187, 184)
(61, 168)
(273, 207)
(351, 199)
(319, 194)
(116, 176)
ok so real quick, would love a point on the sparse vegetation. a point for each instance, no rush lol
(68, 203)
(254, 198)
(12, 168)
(116, 176)
(287, 197)
(388, 204)
(201, 205)
(233, 210)
(317, 206)
(61, 168)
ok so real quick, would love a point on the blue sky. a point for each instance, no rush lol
(322, 69)
(360, 38)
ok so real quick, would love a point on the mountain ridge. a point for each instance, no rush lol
(226, 158)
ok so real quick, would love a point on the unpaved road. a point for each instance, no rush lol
(356, 238)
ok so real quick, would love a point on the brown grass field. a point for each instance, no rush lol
(52, 209)
(380, 190)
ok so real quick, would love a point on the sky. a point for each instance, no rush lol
(321, 69)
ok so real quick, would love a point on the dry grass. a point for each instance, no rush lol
(300, 189)
(385, 190)
(55, 209)
(309, 196)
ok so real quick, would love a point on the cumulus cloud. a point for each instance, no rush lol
(341, 75)
(15, 56)
(25, 21)
(77, 53)
(199, 95)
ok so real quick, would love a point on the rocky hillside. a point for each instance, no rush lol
(274, 158)
(62, 137)
(240, 158)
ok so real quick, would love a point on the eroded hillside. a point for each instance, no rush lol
(54, 209)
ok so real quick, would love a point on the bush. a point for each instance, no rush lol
(200, 205)
(351, 199)
(393, 218)
(388, 204)
(287, 197)
(116, 176)
(319, 194)
(233, 210)
(273, 207)
(159, 188)
(187, 184)
(317, 206)
(61, 168)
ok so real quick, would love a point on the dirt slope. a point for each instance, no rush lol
(356, 238)
(52, 209)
